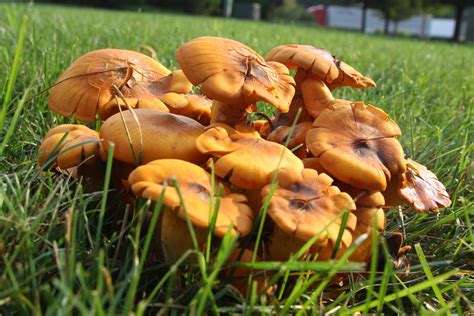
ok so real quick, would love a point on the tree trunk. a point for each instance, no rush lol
(385, 26)
(395, 27)
(457, 28)
(364, 16)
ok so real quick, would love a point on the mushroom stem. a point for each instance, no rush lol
(282, 245)
(230, 115)
(316, 95)
(176, 237)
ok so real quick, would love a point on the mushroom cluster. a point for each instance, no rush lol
(324, 168)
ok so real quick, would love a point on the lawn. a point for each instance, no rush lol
(56, 259)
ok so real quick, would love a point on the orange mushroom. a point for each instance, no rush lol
(235, 76)
(198, 108)
(73, 144)
(318, 73)
(245, 158)
(87, 86)
(297, 135)
(420, 188)
(146, 135)
(320, 63)
(356, 145)
(304, 205)
(77, 149)
(150, 180)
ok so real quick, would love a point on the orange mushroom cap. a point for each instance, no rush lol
(297, 137)
(163, 135)
(245, 157)
(163, 94)
(87, 85)
(304, 203)
(198, 108)
(232, 73)
(356, 144)
(74, 144)
(422, 190)
(320, 63)
(148, 181)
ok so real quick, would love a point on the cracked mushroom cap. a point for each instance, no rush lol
(88, 84)
(153, 135)
(148, 181)
(245, 158)
(320, 63)
(232, 73)
(356, 144)
(420, 188)
(304, 203)
(73, 144)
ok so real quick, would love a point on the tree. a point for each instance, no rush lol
(396, 10)
(459, 7)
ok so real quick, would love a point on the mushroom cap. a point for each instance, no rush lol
(305, 202)
(148, 181)
(163, 94)
(320, 63)
(297, 137)
(198, 108)
(245, 157)
(164, 135)
(230, 72)
(74, 144)
(88, 83)
(362, 198)
(422, 190)
(356, 144)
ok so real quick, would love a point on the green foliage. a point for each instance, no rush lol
(290, 10)
(64, 251)
(398, 10)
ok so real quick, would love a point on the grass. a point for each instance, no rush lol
(63, 252)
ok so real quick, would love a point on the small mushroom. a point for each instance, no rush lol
(356, 145)
(297, 135)
(77, 149)
(245, 158)
(303, 205)
(419, 187)
(198, 108)
(234, 75)
(73, 144)
(87, 86)
(320, 63)
(146, 135)
(149, 181)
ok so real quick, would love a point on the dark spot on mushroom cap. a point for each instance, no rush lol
(300, 205)
(298, 187)
(362, 148)
(200, 190)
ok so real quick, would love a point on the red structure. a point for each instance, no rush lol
(319, 14)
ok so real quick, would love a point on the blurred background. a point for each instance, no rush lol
(428, 19)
